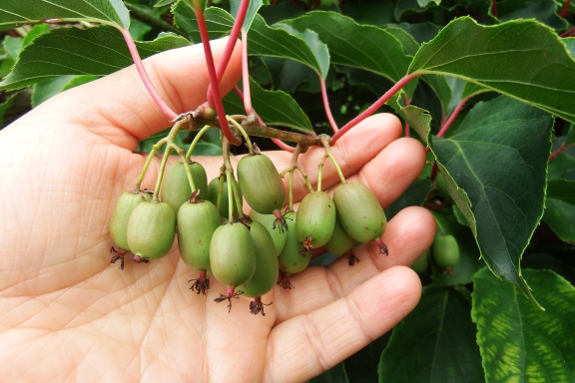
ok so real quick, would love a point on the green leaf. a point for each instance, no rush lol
(502, 198)
(560, 216)
(441, 88)
(410, 46)
(561, 178)
(50, 87)
(7, 104)
(518, 341)
(570, 140)
(470, 90)
(275, 108)
(361, 46)
(253, 8)
(335, 374)
(162, 3)
(94, 51)
(421, 32)
(138, 29)
(570, 44)
(13, 45)
(542, 11)
(469, 260)
(218, 21)
(522, 59)
(35, 32)
(413, 196)
(435, 343)
(111, 12)
(459, 215)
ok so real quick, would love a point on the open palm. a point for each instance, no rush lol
(67, 314)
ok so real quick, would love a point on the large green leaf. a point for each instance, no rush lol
(560, 216)
(561, 178)
(413, 196)
(469, 260)
(435, 343)
(71, 51)
(15, 12)
(502, 197)
(522, 59)
(361, 46)
(50, 87)
(275, 108)
(541, 10)
(253, 8)
(518, 341)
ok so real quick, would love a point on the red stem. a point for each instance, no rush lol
(217, 100)
(406, 125)
(557, 151)
(326, 105)
(375, 106)
(168, 112)
(493, 8)
(239, 93)
(246, 76)
(452, 118)
(234, 34)
(434, 171)
(567, 32)
(563, 12)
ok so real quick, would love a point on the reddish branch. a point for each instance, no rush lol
(452, 118)
(557, 151)
(168, 112)
(567, 33)
(493, 8)
(326, 105)
(247, 94)
(563, 12)
(375, 106)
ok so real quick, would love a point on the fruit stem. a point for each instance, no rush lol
(157, 146)
(232, 188)
(325, 141)
(182, 155)
(452, 118)
(216, 99)
(196, 140)
(247, 94)
(320, 171)
(243, 132)
(220, 190)
(375, 106)
(168, 112)
(326, 104)
(305, 177)
(557, 151)
(161, 173)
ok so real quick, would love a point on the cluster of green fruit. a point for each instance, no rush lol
(245, 253)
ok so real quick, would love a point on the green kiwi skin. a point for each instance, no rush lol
(232, 254)
(151, 230)
(359, 212)
(316, 218)
(291, 260)
(445, 251)
(197, 223)
(267, 220)
(267, 267)
(121, 216)
(441, 186)
(261, 184)
(176, 188)
(213, 190)
(420, 265)
(340, 242)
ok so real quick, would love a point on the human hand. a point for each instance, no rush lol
(65, 313)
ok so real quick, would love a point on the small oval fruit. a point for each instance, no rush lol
(213, 190)
(176, 187)
(232, 254)
(261, 184)
(197, 223)
(441, 186)
(267, 269)
(268, 221)
(359, 212)
(316, 218)
(121, 216)
(420, 265)
(151, 230)
(445, 251)
(340, 242)
(291, 260)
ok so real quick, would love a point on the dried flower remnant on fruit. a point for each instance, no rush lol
(117, 255)
(229, 297)
(382, 247)
(351, 258)
(306, 246)
(284, 282)
(200, 284)
(257, 306)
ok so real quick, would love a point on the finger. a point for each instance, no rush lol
(309, 344)
(407, 236)
(119, 108)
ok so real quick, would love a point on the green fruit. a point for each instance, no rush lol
(151, 230)
(197, 222)
(268, 221)
(261, 184)
(291, 260)
(232, 254)
(267, 269)
(315, 219)
(213, 189)
(176, 187)
(445, 251)
(359, 212)
(340, 242)
(441, 186)
(420, 265)
(121, 215)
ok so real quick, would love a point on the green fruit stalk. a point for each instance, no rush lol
(445, 251)
(291, 259)
(151, 230)
(268, 221)
(121, 215)
(176, 187)
(261, 184)
(213, 190)
(315, 219)
(359, 212)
